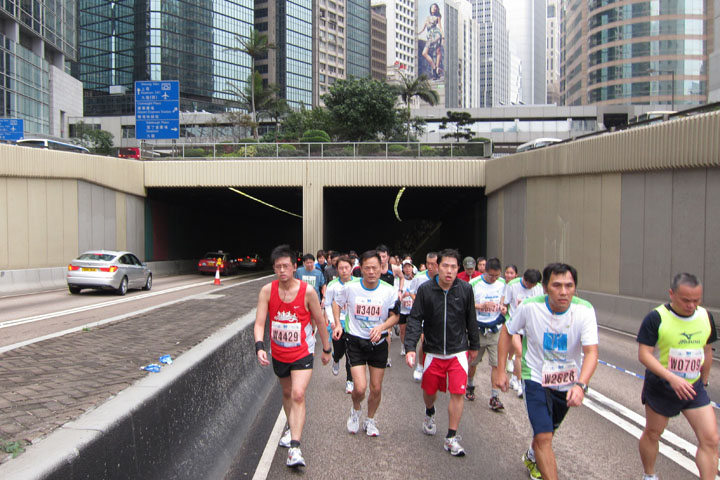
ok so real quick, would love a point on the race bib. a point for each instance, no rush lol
(686, 363)
(368, 310)
(489, 307)
(407, 302)
(309, 279)
(286, 334)
(559, 374)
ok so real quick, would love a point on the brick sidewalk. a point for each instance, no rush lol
(47, 384)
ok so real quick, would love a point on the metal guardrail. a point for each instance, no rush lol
(338, 150)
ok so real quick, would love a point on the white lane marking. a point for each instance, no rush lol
(263, 468)
(47, 316)
(7, 348)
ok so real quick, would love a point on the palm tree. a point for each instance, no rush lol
(411, 87)
(256, 46)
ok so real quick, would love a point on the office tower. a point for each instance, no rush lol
(714, 59)
(378, 46)
(358, 38)
(640, 52)
(330, 25)
(526, 23)
(515, 79)
(552, 54)
(401, 39)
(37, 43)
(494, 52)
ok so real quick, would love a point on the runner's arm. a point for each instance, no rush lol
(260, 318)
(705, 370)
(313, 305)
(471, 325)
(504, 343)
(575, 395)
(413, 328)
(682, 388)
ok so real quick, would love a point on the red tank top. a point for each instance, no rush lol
(290, 327)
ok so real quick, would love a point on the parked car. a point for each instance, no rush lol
(208, 264)
(252, 261)
(108, 270)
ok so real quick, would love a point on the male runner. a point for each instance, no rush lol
(682, 331)
(290, 304)
(311, 275)
(469, 271)
(406, 300)
(444, 310)
(344, 267)
(422, 277)
(559, 329)
(489, 290)
(517, 290)
(371, 306)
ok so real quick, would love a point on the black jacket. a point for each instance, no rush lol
(448, 320)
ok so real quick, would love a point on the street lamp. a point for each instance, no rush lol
(672, 73)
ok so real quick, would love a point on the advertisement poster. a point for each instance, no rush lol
(431, 40)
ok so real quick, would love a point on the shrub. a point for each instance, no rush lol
(266, 150)
(395, 148)
(247, 140)
(315, 136)
(427, 151)
(196, 152)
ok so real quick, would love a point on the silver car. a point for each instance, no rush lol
(108, 270)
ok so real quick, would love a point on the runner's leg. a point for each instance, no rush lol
(300, 380)
(654, 426)
(544, 455)
(376, 378)
(455, 409)
(703, 422)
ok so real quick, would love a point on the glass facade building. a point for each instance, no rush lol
(295, 51)
(358, 38)
(34, 38)
(192, 41)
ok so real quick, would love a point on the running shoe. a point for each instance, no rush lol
(452, 446)
(295, 458)
(370, 428)
(349, 386)
(389, 363)
(396, 330)
(532, 467)
(336, 368)
(514, 382)
(470, 393)
(417, 374)
(650, 477)
(285, 439)
(510, 365)
(495, 404)
(402, 351)
(520, 389)
(353, 423)
(429, 427)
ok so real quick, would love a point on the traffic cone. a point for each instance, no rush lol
(217, 276)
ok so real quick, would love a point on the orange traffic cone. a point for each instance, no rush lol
(217, 276)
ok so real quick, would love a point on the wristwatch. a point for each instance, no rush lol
(329, 350)
(583, 386)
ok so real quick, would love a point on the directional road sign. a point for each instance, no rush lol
(157, 110)
(11, 129)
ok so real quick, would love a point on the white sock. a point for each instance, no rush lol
(650, 477)
(531, 453)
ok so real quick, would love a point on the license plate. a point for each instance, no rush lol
(89, 269)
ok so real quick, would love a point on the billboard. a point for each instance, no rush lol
(431, 40)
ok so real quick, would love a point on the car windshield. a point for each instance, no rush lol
(213, 255)
(102, 257)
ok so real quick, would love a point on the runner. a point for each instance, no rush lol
(469, 271)
(311, 275)
(289, 304)
(517, 290)
(419, 279)
(682, 331)
(406, 300)
(344, 267)
(489, 290)
(444, 310)
(372, 307)
(559, 328)
(389, 273)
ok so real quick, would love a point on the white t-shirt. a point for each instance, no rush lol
(406, 302)
(418, 280)
(552, 345)
(516, 292)
(365, 308)
(330, 293)
(489, 296)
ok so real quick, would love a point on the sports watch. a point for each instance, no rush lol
(583, 386)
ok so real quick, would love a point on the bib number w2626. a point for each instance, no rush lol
(559, 374)
(686, 363)
(286, 334)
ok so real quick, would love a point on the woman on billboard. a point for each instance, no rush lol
(434, 43)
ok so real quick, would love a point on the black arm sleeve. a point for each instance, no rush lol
(471, 320)
(648, 334)
(413, 330)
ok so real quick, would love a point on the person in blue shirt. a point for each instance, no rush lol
(311, 275)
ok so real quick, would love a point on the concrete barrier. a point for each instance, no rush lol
(185, 422)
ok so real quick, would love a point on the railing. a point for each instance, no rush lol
(234, 151)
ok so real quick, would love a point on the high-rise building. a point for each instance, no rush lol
(526, 23)
(515, 79)
(192, 41)
(552, 54)
(358, 38)
(494, 47)
(401, 39)
(714, 60)
(330, 46)
(378, 46)
(638, 52)
(37, 43)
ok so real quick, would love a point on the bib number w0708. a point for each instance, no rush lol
(286, 334)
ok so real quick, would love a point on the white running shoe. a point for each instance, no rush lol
(370, 428)
(417, 375)
(514, 382)
(389, 363)
(452, 446)
(285, 439)
(520, 389)
(402, 351)
(510, 365)
(353, 423)
(429, 427)
(295, 458)
(336, 368)
(349, 386)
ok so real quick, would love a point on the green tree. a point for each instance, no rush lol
(461, 121)
(300, 121)
(361, 108)
(97, 141)
(409, 88)
(256, 46)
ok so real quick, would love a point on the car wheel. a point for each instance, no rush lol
(122, 289)
(148, 282)
(74, 290)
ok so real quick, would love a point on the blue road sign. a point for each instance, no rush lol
(11, 129)
(157, 110)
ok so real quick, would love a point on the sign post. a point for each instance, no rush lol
(12, 129)
(157, 110)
